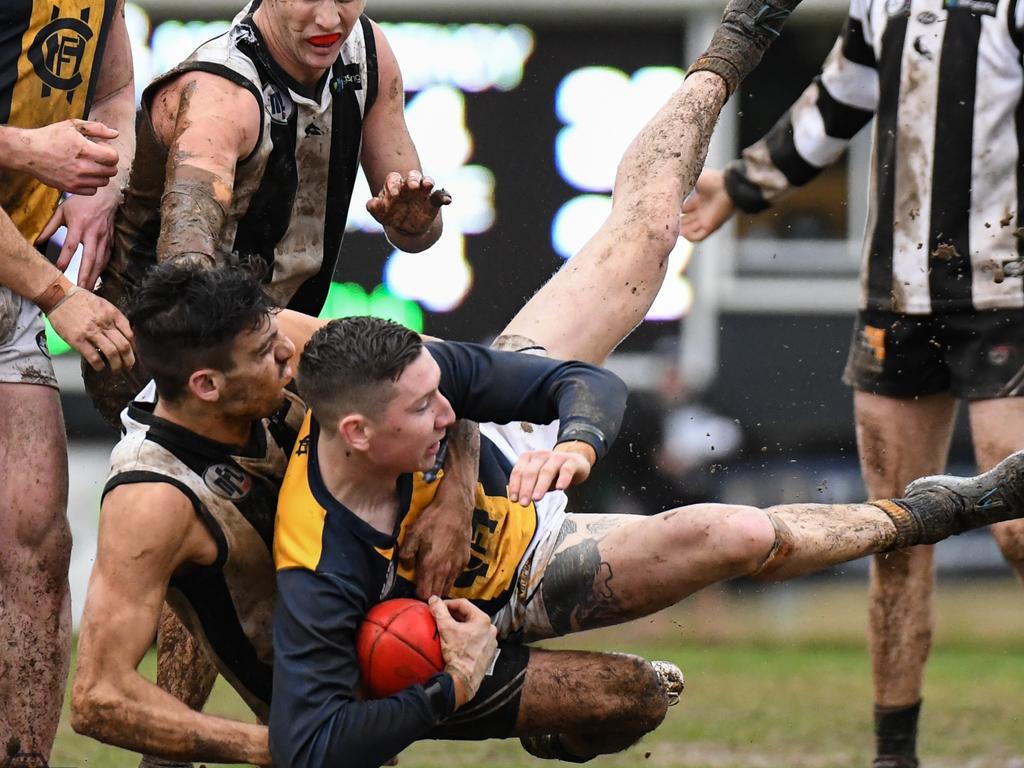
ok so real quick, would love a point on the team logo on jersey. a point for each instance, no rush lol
(897, 7)
(279, 104)
(227, 481)
(57, 52)
(927, 17)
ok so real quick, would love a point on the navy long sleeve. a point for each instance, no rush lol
(316, 718)
(487, 385)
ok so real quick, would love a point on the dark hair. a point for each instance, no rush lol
(350, 363)
(186, 317)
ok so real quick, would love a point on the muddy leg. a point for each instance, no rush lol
(35, 551)
(592, 703)
(183, 670)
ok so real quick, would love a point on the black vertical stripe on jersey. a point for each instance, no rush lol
(1011, 24)
(855, 46)
(346, 128)
(15, 16)
(949, 273)
(269, 214)
(210, 597)
(879, 280)
(372, 76)
(109, 11)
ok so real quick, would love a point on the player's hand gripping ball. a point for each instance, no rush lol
(398, 646)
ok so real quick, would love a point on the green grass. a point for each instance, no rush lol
(774, 679)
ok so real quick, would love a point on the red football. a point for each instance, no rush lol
(398, 646)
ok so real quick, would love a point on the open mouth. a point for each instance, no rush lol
(324, 41)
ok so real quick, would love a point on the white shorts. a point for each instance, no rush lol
(523, 616)
(24, 356)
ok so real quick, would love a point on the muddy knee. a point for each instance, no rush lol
(511, 342)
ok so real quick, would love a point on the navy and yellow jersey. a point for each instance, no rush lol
(50, 53)
(332, 566)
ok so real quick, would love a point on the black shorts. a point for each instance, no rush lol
(493, 712)
(976, 356)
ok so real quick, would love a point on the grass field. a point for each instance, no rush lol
(775, 677)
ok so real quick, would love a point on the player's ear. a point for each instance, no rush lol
(206, 384)
(355, 430)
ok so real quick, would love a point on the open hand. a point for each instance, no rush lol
(537, 472)
(408, 204)
(707, 207)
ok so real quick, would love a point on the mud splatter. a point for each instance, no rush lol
(945, 252)
(30, 374)
(1007, 218)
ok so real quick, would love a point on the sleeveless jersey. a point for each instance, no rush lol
(228, 605)
(291, 194)
(50, 55)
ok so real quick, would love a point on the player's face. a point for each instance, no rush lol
(306, 35)
(408, 434)
(255, 386)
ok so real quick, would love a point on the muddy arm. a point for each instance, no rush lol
(147, 532)
(209, 124)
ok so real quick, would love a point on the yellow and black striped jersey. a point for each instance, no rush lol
(50, 54)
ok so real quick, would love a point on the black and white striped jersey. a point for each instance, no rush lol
(943, 79)
(291, 195)
(228, 606)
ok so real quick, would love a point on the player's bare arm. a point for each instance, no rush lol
(90, 219)
(437, 544)
(94, 327)
(148, 532)
(406, 204)
(208, 124)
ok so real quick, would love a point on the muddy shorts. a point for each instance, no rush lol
(24, 356)
(971, 355)
(493, 712)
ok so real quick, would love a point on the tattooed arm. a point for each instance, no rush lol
(411, 215)
(208, 124)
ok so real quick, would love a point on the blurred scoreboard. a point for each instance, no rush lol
(525, 126)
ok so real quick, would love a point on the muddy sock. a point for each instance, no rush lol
(896, 736)
(748, 27)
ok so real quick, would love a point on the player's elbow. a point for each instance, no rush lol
(93, 704)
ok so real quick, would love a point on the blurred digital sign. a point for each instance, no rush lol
(525, 126)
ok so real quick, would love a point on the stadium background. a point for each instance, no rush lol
(521, 111)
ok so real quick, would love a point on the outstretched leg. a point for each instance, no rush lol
(183, 670)
(613, 568)
(604, 291)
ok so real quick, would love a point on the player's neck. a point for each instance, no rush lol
(206, 423)
(366, 491)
